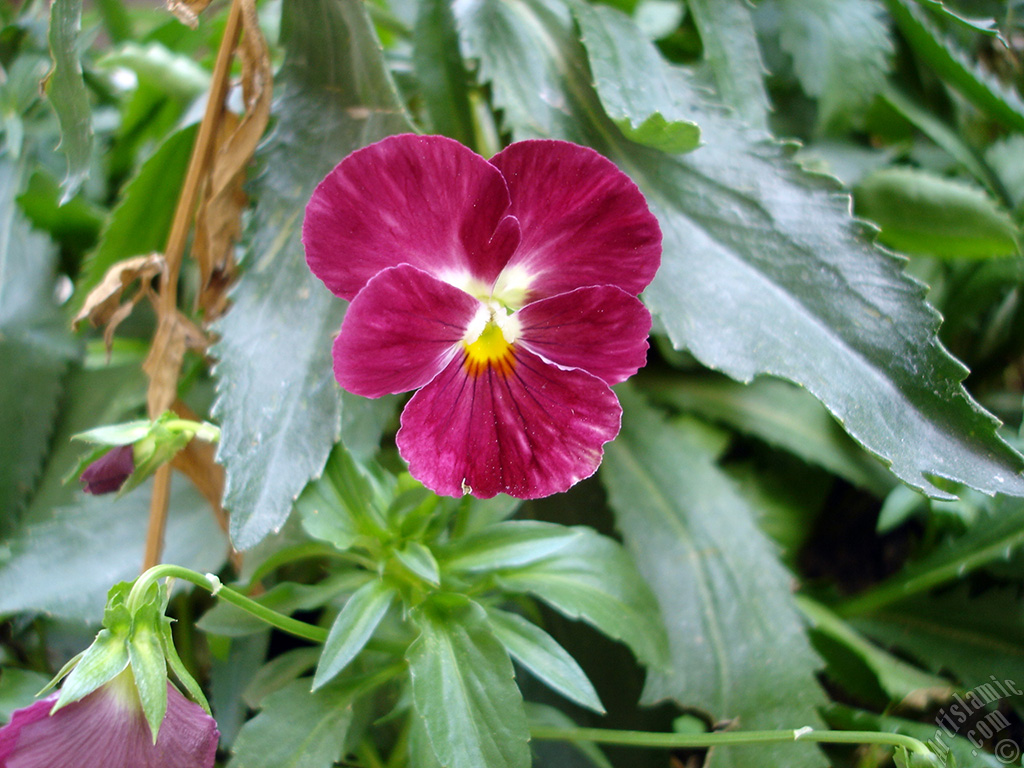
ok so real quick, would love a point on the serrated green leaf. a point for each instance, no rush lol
(62, 563)
(277, 400)
(440, 71)
(67, 92)
(735, 636)
(354, 626)
(35, 347)
(764, 270)
(509, 544)
(595, 579)
(141, 220)
(464, 690)
(927, 214)
(780, 414)
(149, 669)
(840, 51)
(297, 728)
(642, 108)
(944, 59)
(732, 53)
(536, 650)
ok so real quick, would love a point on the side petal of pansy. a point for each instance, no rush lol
(399, 332)
(600, 329)
(584, 222)
(517, 425)
(427, 201)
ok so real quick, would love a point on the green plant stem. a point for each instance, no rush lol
(721, 738)
(228, 595)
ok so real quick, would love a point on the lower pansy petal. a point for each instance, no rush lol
(584, 222)
(519, 426)
(399, 332)
(601, 329)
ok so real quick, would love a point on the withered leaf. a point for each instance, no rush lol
(106, 305)
(175, 334)
(187, 11)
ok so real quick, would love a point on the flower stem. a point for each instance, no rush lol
(721, 738)
(227, 594)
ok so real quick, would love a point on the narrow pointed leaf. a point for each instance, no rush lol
(67, 93)
(536, 650)
(735, 636)
(509, 544)
(278, 404)
(354, 626)
(440, 71)
(464, 691)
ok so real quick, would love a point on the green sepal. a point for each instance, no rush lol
(179, 669)
(104, 660)
(61, 674)
(149, 667)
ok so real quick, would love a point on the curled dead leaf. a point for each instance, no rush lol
(106, 304)
(175, 334)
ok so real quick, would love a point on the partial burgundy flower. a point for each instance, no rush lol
(505, 291)
(107, 729)
(110, 471)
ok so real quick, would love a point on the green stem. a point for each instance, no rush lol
(721, 738)
(228, 595)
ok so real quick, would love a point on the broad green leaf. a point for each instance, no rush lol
(352, 629)
(643, 109)
(899, 679)
(922, 213)
(35, 347)
(338, 506)
(61, 561)
(944, 59)
(953, 744)
(230, 677)
(594, 579)
(464, 690)
(989, 540)
(974, 636)
(440, 71)
(509, 544)
(65, 87)
(277, 400)
(141, 220)
(840, 51)
(764, 270)
(297, 728)
(735, 636)
(732, 53)
(536, 650)
(780, 414)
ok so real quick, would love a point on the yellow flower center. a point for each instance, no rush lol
(489, 341)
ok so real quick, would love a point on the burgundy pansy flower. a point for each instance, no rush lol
(505, 291)
(107, 729)
(110, 471)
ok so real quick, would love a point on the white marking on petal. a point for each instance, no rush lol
(512, 286)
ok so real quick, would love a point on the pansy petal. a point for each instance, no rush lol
(399, 332)
(427, 201)
(525, 428)
(108, 729)
(601, 329)
(584, 222)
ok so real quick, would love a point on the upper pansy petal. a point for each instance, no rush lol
(421, 200)
(584, 222)
(400, 331)
(600, 329)
(523, 427)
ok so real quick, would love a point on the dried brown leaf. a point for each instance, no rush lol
(187, 11)
(175, 334)
(106, 303)
(218, 220)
